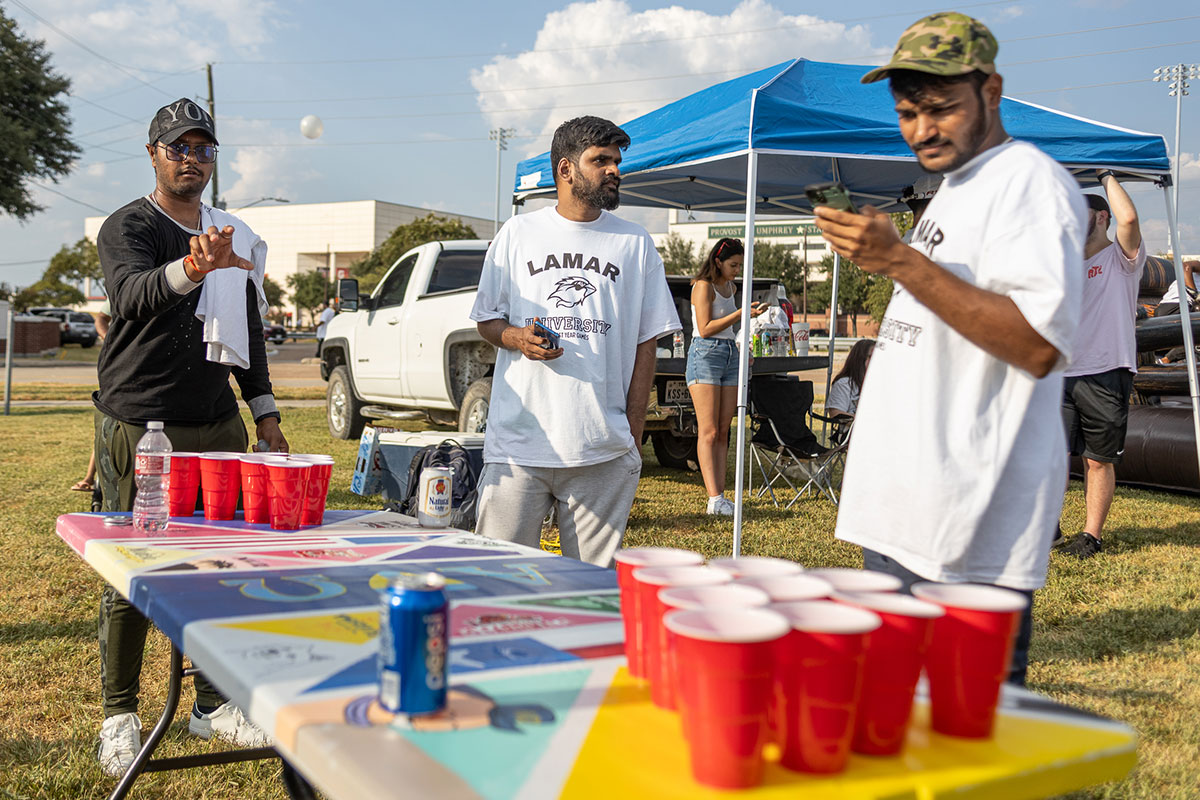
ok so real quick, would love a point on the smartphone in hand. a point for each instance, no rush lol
(552, 338)
(832, 194)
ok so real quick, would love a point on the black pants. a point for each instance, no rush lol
(1020, 657)
(122, 628)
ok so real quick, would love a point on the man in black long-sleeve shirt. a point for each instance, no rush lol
(156, 366)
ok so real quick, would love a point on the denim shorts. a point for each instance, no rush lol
(712, 361)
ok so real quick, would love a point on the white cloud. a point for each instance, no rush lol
(1189, 166)
(262, 171)
(578, 53)
(96, 169)
(1154, 231)
(1007, 13)
(155, 39)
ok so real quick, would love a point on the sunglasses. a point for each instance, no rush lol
(177, 151)
(724, 245)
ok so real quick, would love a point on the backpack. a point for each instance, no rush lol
(464, 497)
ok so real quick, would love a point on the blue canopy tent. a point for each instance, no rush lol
(752, 143)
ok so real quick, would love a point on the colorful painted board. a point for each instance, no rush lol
(540, 703)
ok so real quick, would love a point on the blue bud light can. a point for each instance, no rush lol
(413, 627)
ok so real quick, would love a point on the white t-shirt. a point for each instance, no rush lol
(957, 461)
(323, 322)
(1105, 339)
(843, 396)
(601, 286)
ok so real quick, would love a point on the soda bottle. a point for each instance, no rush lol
(677, 350)
(152, 470)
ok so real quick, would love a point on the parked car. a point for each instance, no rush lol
(76, 327)
(275, 334)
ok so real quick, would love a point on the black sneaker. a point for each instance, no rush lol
(1057, 541)
(1083, 546)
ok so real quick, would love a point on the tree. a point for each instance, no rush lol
(309, 290)
(779, 261)
(273, 292)
(678, 256)
(430, 228)
(854, 287)
(47, 293)
(73, 264)
(34, 121)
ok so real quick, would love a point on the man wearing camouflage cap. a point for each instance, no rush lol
(954, 472)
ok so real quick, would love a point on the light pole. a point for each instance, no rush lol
(263, 200)
(1178, 76)
(500, 136)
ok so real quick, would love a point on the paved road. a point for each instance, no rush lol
(288, 368)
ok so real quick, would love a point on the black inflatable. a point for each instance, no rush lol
(1160, 450)
(1160, 442)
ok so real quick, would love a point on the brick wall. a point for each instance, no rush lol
(32, 335)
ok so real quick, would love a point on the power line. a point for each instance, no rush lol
(80, 44)
(1099, 30)
(1102, 53)
(68, 197)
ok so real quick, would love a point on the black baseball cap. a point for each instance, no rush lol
(174, 120)
(1097, 203)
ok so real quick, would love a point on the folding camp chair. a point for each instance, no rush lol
(783, 444)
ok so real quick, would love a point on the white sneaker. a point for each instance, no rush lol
(229, 723)
(719, 506)
(120, 741)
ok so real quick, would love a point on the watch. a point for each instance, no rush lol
(1103, 173)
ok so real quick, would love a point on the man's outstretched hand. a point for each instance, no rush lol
(212, 250)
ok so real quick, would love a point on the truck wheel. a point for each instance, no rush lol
(675, 451)
(472, 415)
(342, 408)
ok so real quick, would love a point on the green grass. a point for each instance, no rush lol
(1118, 635)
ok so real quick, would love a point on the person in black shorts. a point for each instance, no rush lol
(1104, 356)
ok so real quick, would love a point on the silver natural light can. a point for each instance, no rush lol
(434, 500)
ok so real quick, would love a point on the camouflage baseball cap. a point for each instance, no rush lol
(946, 43)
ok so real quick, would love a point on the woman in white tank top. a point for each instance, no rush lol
(712, 364)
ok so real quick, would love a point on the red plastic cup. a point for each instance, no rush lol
(665, 693)
(970, 654)
(287, 482)
(184, 484)
(254, 486)
(895, 655)
(789, 588)
(631, 614)
(726, 690)
(318, 487)
(649, 580)
(754, 566)
(845, 579)
(220, 483)
(818, 677)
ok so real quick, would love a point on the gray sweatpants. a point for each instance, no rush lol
(593, 505)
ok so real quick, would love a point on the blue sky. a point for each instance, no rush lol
(409, 91)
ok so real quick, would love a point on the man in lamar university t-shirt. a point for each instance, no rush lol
(565, 423)
(1095, 404)
(954, 472)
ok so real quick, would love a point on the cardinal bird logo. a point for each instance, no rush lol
(570, 292)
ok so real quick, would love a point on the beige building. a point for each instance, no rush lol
(303, 237)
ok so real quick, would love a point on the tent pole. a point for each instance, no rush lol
(1185, 318)
(833, 307)
(744, 354)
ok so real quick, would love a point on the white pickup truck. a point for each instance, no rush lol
(411, 349)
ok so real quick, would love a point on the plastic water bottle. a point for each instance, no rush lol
(152, 469)
(677, 350)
